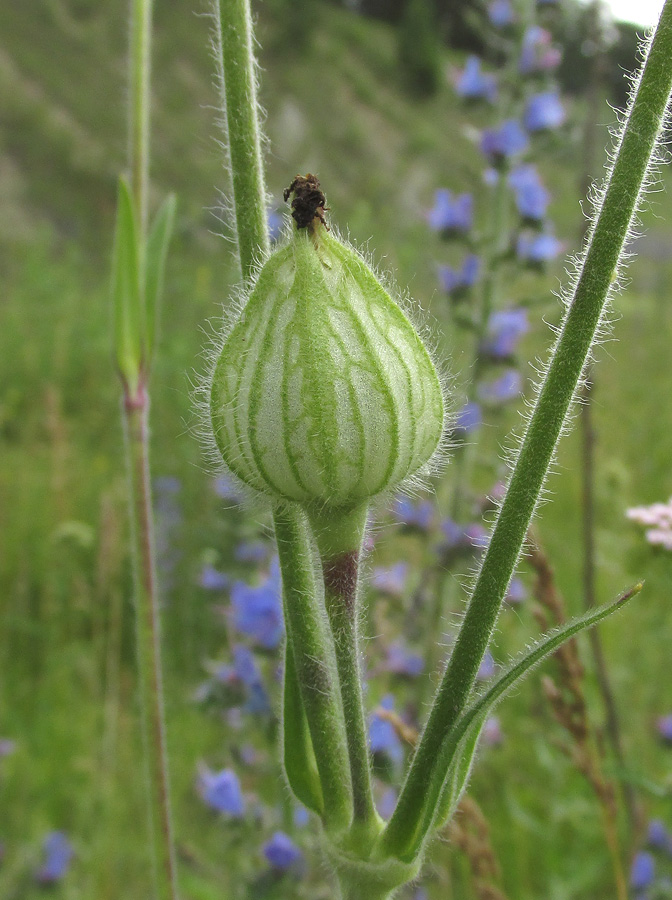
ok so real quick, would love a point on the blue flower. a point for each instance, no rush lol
(504, 330)
(544, 111)
(453, 533)
(450, 215)
(642, 871)
(213, 580)
(454, 281)
(414, 515)
(507, 387)
(251, 551)
(492, 735)
(468, 419)
(664, 726)
(472, 84)
(516, 593)
(301, 816)
(275, 223)
(221, 792)
(538, 249)
(58, 853)
(531, 196)
(503, 142)
(500, 13)
(390, 579)
(383, 737)
(487, 667)
(7, 747)
(257, 611)
(225, 487)
(658, 836)
(402, 661)
(537, 54)
(386, 802)
(281, 852)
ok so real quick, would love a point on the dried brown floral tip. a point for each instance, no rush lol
(309, 202)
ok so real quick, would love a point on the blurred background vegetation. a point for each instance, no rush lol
(346, 96)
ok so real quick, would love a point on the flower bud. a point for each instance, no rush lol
(323, 391)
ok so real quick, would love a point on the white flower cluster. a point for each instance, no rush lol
(658, 519)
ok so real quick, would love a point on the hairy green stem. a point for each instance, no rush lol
(237, 69)
(139, 110)
(310, 642)
(584, 313)
(340, 567)
(148, 646)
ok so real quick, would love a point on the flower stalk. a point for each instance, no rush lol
(137, 279)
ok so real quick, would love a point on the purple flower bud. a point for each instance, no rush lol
(507, 387)
(472, 84)
(506, 141)
(257, 611)
(642, 871)
(537, 53)
(453, 533)
(500, 13)
(544, 111)
(7, 747)
(221, 792)
(58, 853)
(450, 215)
(281, 852)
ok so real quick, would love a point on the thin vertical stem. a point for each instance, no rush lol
(139, 110)
(313, 659)
(237, 70)
(148, 642)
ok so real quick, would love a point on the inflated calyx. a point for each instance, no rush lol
(323, 391)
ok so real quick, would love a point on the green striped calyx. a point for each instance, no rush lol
(323, 391)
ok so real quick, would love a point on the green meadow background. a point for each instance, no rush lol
(336, 107)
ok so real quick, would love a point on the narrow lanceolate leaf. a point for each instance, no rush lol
(297, 746)
(452, 768)
(323, 390)
(126, 293)
(155, 265)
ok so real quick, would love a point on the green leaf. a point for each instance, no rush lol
(126, 294)
(453, 766)
(299, 757)
(155, 265)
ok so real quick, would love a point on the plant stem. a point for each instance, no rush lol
(236, 68)
(148, 639)
(340, 567)
(313, 659)
(140, 73)
(593, 285)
